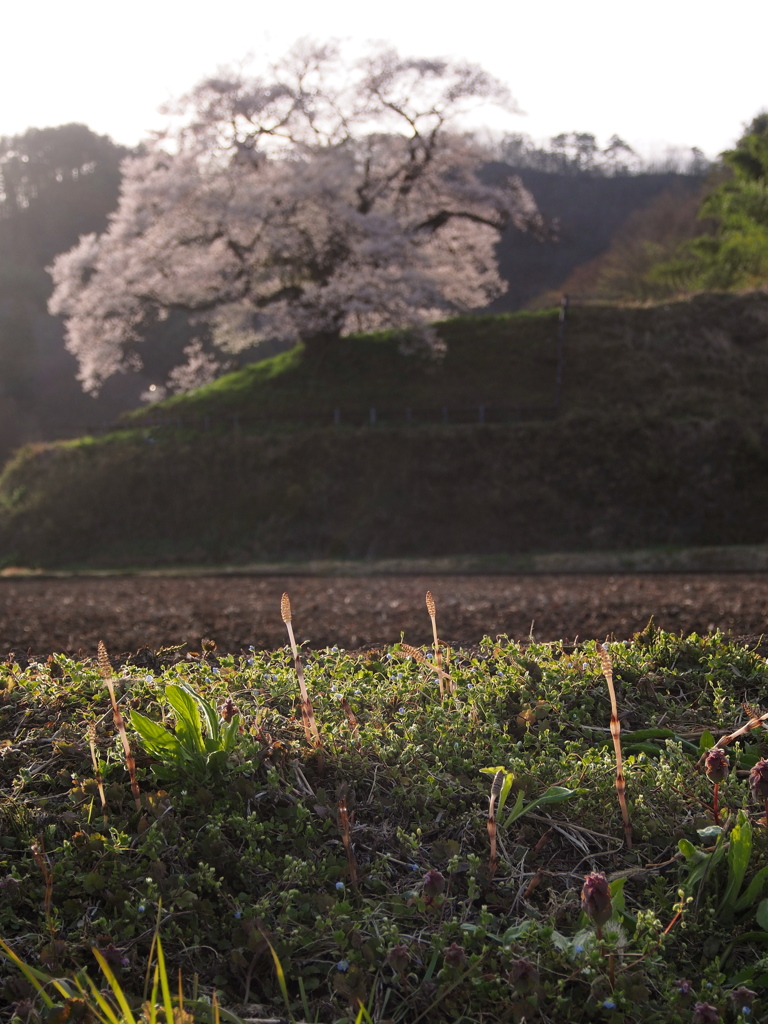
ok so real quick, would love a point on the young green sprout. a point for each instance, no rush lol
(607, 666)
(716, 766)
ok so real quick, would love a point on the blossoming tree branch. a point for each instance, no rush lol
(324, 198)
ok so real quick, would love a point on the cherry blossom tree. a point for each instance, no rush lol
(327, 198)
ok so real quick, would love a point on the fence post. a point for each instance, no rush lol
(560, 352)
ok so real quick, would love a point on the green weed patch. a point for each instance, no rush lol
(448, 847)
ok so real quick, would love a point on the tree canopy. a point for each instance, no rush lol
(324, 198)
(734, 255)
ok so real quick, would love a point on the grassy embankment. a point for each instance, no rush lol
(661, 440)
(363, 852)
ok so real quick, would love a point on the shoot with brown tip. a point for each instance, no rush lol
(311, 731)
(432, 612)
(106, 672)
(607, 666)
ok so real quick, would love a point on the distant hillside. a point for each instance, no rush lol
(703, 357)
(586, 211)
(662, 439)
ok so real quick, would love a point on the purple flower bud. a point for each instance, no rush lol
(523, 975)
(455, 956)
(758, 780)
(434, 883)
(398, 958)
(229, 710)
(703, 1013)
(596, 899)
(684, 987)
(716, 765)
(743, 996)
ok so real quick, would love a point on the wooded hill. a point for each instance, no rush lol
(661, 439)
(59, 183)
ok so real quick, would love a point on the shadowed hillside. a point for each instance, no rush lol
(662, 439)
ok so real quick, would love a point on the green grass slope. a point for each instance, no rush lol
(661, 440)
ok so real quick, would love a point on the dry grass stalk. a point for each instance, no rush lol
(307, 712)
(106, 671)
(352, 719)
(345, 821)
(607, 666)
(97, 773)
(498, 782)
(407, 651)
(755, 721)
(41, 859)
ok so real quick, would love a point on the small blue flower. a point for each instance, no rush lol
(358, 692)
(578, 949)
(401, 710)
(414, 867)
(746, 1010)
(470, 686)
(339, 885)
(150, 678)
(142, 908)
(237, 915)
(609, 1004)
(342, 965)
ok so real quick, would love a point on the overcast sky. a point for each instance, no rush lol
(661, 72)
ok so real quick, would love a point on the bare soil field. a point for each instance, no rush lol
(42, 615)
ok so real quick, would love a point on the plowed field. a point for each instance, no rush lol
(40, 615)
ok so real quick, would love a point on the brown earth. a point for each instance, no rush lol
(40, 615)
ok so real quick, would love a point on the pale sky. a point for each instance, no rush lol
(658, 72)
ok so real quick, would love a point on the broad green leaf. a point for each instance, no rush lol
(553, 795)
(210, 715)
(231, 732)
(689, 851)
(516, 811)
(753, 890)
(616, 889)
(707, 741)
(217, 760)
(739, 853)
(505, 788)
(188, 728)
(761, 914)
(156, 739)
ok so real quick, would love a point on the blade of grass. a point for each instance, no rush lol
(279, 972)
(33, 977)
(114, 984)
(167, 1004)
